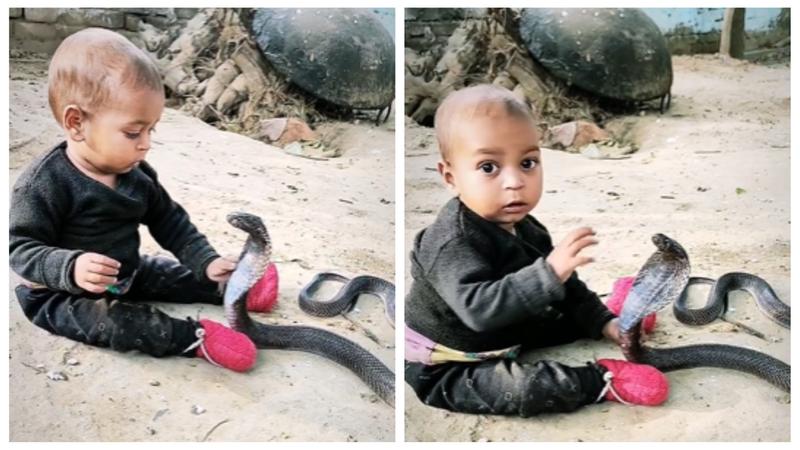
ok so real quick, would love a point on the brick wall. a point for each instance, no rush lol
(42, 29)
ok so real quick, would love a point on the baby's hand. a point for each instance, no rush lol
(220, 269)
(565, 257)
(94, 272)
(611, 331)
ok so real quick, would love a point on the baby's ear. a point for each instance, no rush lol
(444, 170)
(73, 122)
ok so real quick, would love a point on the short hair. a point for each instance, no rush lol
(471, 102)
(90, 65)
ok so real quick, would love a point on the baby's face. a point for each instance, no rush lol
(117, 136)
(495, 167)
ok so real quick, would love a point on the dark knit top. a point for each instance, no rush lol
(58, 212)
(477, 287)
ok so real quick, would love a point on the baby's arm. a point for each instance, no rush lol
(171, 227)
(581, 304)
(585, 307)
(37, 212)
(468, 284)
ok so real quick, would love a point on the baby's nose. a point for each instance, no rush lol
(513, 180)
(144, 143)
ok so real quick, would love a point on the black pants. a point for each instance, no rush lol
(123, 323)
(508, 387)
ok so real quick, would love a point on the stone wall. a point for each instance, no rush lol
(42, 29)
(687, 30)
(431, 27)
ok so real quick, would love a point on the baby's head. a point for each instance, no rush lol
(490, 153)
(107, 95)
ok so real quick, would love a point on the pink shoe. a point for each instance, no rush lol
(224, 347)
(618, 295)
(264, 294)
(634, 384)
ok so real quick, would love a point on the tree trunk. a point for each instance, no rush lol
(732, 36)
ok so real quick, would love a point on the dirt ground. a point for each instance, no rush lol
(713, 173)
(322, 215)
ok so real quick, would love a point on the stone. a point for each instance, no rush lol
(282, 131)
(272, 129)
(106, 18)
(33, 31)
(132, 22)
(186, 13)
(64, 30)
(57, 376)
(574, 135)
(134, 37)
(296, 130)
(159, 22)
(13, 13)
(45, 15)
(148, 11)
(83, 17)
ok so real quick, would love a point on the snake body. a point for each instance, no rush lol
(717, 302)
(661, 281)
(345, 299)
(252, 264)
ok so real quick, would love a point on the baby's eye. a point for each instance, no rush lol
(130, 135)
(488, 167)
(528, 164)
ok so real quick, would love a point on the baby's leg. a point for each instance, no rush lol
(104, 323)
(166, 280)
(505, 387)
(550, 333)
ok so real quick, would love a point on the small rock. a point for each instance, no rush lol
(155, 383)
(372, 398)
(574, 135)
(72, 362)
(197, 410)
(150, 431)
(57, 376)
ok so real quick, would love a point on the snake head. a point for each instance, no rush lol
(247, 222)
(669, 246)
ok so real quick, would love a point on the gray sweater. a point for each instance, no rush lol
(477, 287)
(57, 213)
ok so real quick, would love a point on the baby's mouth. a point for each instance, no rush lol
(514, 206)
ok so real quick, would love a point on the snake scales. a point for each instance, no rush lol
(662, 280)
(252, 264)
(345, 299)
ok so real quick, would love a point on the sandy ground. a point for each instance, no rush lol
(728, 128)
(322, 215)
